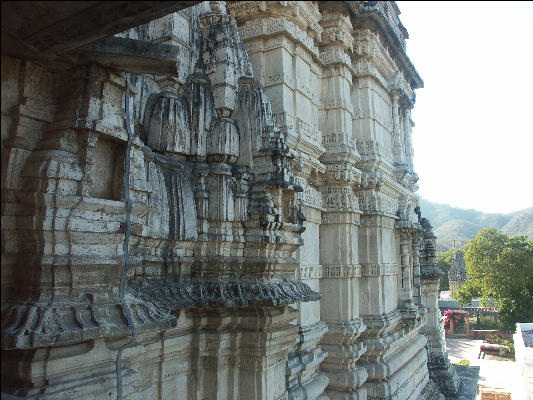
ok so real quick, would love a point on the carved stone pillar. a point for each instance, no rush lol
(406, 296)
(417, 291)
(336, 111)
(289, 67)
(202, 201)
(397, 150)
(339, 229)
(340, 305)
(407, 124)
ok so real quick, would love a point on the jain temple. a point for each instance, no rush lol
(214, 200)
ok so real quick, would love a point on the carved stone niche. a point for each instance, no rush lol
(107, 169)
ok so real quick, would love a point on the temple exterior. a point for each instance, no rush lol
(218, 202)
(457, 272)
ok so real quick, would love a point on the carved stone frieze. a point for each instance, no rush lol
(339, 198)
(270, 26)
(310, 272)
(310, 196)
(340, 217)
(41, 325)
(379, 270)
(342, 271)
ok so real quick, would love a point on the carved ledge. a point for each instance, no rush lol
(41, 325)
(169, 296)
(36, 325)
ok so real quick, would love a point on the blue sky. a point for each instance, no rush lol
(473, 138)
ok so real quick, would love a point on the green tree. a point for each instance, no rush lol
(444, 261)
(500, 267)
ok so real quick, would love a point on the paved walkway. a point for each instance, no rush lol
(502, 375)
(463, 349)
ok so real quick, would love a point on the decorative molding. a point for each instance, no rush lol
(342, 271)
(384, 269)
(310, 271)
(335, 55)
(339, 198)
(290, 121)
(310, 196)
(271, 26)
(333, 103)
(340, 217)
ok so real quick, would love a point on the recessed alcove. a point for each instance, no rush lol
(107, 169)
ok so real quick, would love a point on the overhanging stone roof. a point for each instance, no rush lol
(47, 29)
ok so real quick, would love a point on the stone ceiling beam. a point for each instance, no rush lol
(132, 55)
(37, 29)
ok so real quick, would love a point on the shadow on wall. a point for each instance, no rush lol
(469, 378)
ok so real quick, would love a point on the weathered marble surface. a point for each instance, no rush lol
(276, 250)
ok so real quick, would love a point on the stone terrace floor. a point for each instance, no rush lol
(500, 375)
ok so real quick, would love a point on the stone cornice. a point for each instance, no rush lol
(378, 16)
(303, 14)
(372, 58)
(275, 26)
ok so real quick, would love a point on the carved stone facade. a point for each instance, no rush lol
(244, 226)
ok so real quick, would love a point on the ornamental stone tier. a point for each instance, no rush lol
(215, 204)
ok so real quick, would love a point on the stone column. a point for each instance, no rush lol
(339, 256)
(265, 355)
(223, 140)
(340, 304)
(408, 138)
(405, 253)
(397, 150)
(416, 270)
(290, 73)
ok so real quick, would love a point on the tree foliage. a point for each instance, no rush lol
(500, 267)
(444, 261)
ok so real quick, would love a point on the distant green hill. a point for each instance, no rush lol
(452, 223)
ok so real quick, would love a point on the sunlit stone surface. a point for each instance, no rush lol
(276, 246)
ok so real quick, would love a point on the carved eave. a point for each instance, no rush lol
(373, 14)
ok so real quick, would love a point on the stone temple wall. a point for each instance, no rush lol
(223, 200)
